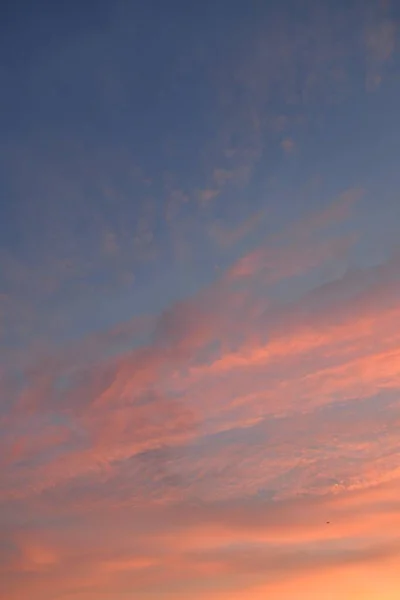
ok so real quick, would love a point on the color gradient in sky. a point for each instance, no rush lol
(200, 300)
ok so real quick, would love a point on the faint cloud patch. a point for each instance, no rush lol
(380, 43)
(288, 145)
(110, 244)
(228, 236)
(205, 196)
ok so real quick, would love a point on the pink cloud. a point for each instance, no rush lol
(224, 397)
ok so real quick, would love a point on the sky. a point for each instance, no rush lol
(200, 300)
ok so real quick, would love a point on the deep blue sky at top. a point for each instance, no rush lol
(115, 118)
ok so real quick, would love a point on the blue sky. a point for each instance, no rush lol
(199, 283)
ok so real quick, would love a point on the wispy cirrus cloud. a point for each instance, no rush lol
(201, 372)
(199, 316)
(235, 397)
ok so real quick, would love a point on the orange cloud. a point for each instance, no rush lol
(243, 545)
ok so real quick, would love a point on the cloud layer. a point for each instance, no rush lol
(199, 305)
